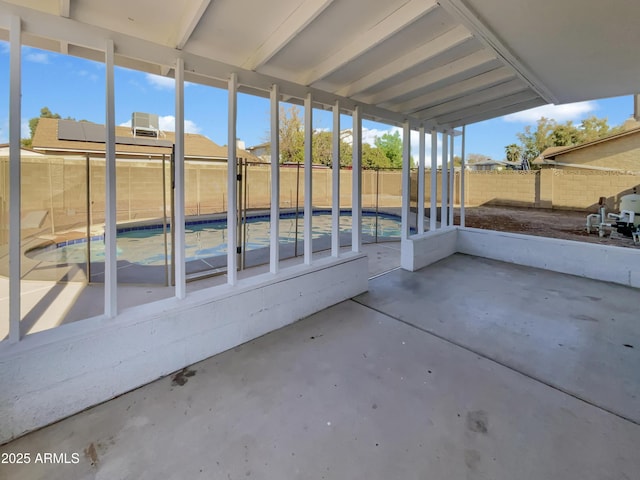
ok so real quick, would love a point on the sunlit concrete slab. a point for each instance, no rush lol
(346, 393)
(578, 335)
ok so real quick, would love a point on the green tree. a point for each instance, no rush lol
(33, 125)
(513, 153)
(391, 145)
(291, 135)
(374, 157)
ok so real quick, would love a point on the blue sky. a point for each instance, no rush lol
(74, 87)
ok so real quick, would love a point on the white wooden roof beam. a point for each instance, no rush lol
(450, 92)
(396, 21)
(64, 7)
(462, 13)
(193, 13)
(429, 50)
(467, 101)
(465, 64)
(297, 21)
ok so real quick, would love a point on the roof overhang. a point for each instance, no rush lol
(437, 64)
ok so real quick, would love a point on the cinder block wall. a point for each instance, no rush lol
(57, 186)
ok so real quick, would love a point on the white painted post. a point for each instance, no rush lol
(15, 103)
(451, 180)
(356, 183)
(335, 188)
(444, 212)
(421, 161)
(406, 179)
(179, 217)
(232, 186)
(308, 183)
(110, 216)
(462, 166)
(433, 204)
(274, 258)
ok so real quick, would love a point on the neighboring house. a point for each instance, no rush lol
(63, 137)
(619, 152)
(486, 165)
(262, 151)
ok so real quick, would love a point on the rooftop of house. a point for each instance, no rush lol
(68, 136)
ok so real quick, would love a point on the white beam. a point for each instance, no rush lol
(15, 107)
(335, 184)
(509, 100)
(462, 167)
(179, 216)
(232, 183)
(421, 156)
(451, 180)
(193, 13)
(456, 90)
(110, 215)
(476, 62)
(460, 11)
(433, 203)
(406, 180)
(429, 50)
(64, 8)
(308, 179)
(356, 182)
(473, 99)
(291, 26)
(381, 31)
(274, 258)
(444, 203)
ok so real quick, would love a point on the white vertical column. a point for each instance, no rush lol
(274, 258)
(452, 192)
(232, 186)
(406, 179)
(15, 94)
(335, 183)
(308, 176)
(462, 166)
(356, 183)
(180, 255)
(421, 181)
(110, 217)
(444, 213)
(433, 204)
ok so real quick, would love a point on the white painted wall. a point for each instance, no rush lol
(59, 372)
(599, 262)
(419, 251)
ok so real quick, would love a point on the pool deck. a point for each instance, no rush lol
(467, 369)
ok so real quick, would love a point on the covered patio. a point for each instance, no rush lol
(431, 374)
(488, 355)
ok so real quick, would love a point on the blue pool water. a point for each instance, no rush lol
(204, 239)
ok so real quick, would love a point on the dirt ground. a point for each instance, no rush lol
(565, 224)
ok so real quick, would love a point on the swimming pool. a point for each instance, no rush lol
(208, 238)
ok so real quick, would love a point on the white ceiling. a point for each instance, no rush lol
(444, 64)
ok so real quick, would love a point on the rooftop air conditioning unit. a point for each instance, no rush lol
(145, 124)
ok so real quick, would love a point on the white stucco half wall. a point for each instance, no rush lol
(62, 371)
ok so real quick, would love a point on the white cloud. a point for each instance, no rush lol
(168, 124)
(560, 113)
(91, 76)
(160, 83)
(37, 57)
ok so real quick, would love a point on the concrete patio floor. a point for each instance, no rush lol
(467, 369)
